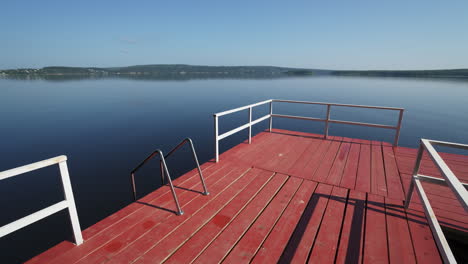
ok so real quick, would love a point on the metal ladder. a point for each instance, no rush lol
(165, 171)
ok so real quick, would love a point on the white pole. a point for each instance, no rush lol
(250, 125)
(271, 115)
(327, 121)
(397, 134)
(67, 189)
(216, 138)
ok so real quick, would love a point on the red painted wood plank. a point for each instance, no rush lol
(218, 249)
(189, 180)
(246, 248)
(126, 215)
(286, 155)
(424, 246)
(309, 170)
(170, 243)
(196, 244)
(375, 242)
(336, 172)
(300, 244)
(326, 243)
(400, 245)
(308, 154)
(244, 147)
(289, 159)
(361, 141)
(325, 166)
(363, 182)
(252, 150)
(275, 243)
(395, 189)
(350, 171)
(297, 133)
(387, 144)
(119, 243)
(145, 242)
(352, 234)
(271, 151)
(378, 182)
(335, 138)
(446, 156)
(96, 242)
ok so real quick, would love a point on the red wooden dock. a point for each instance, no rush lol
(287, 197)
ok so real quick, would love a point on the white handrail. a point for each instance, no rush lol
(327, 120)
(458, 188)
(68, 202)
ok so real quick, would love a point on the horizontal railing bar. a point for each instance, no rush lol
(452, 181)
(299, 117)
(335, 121)
(436, 180)
(361, 124)
(241, 108)
(448, 144)
(235, 130)
(260, 119)
(344, 105)
(231, 132)
(34, 217)
(30, 167)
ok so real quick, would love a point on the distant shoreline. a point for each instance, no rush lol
(182, 71)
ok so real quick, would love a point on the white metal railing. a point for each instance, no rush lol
(327, 120)
(69, 201)
(458, 188)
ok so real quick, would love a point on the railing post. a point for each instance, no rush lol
(250, 125)
(67, 190)
(271, 115)
(216, 138)
(409, 194)
(397, 134)
(327, 121)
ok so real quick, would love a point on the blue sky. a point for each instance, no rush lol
(314, 34)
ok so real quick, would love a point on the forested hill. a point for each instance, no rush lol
(452, 73)
(168, 70)
(183, 71)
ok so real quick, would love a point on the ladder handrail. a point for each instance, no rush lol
(195, 158)
(165, 171)
(161, 155)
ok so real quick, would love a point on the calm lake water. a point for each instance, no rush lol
(107, 126)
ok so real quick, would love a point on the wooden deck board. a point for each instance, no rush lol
(375, 241)
(287, 197)
(247, 247)
(352, 234)
(145, 242)
(326, 244)
(197, 243)
(300, 244)
(272, 248)
(221, 246)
